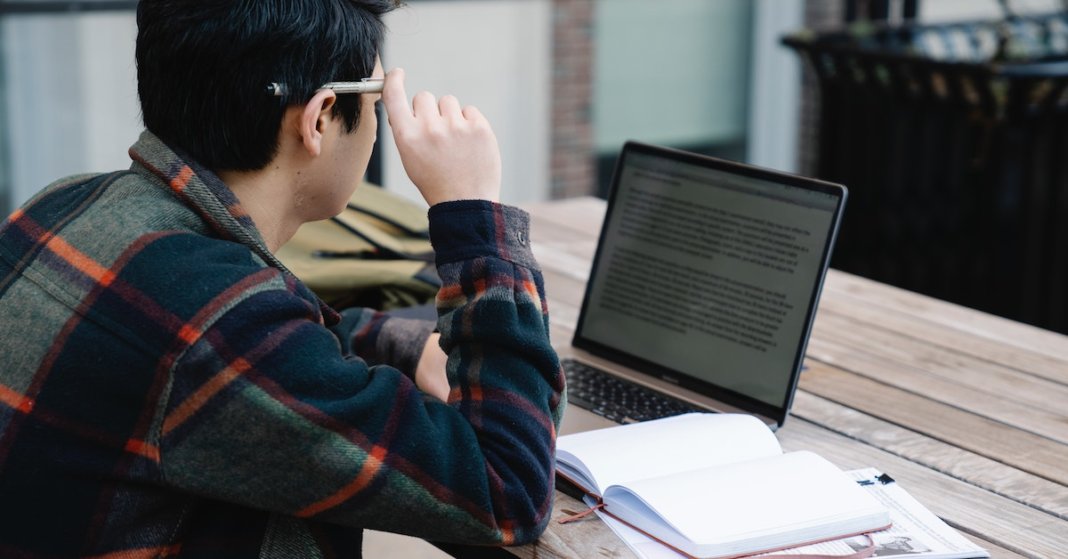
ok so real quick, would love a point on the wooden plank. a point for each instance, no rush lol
(565, 286)
(996, 551)
(953, 341)
(1043, 350)
(984, 388)
(562, 248)
(1005, 409)
(1021, 449)
(933, 351)
(559, 260)
(1013, 526)
(588, 537)
(565, 299)
(582, 215)
(980, 471)
(543, 228)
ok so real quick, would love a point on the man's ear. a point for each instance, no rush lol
(314, 119)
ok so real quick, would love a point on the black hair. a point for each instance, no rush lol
(203, 67)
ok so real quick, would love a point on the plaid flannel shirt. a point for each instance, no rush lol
(168, 389)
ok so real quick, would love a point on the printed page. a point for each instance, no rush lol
(618, 455)
(916, 532)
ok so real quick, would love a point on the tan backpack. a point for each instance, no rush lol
(374, 254)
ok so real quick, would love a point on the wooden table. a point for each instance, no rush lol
(968, 411)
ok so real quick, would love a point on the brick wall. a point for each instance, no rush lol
(571, 135)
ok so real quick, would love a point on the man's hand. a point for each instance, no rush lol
(430, 372)
(449, 153)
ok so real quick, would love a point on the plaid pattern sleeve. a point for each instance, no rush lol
(305, 432)
(167, 390)
(378, 338)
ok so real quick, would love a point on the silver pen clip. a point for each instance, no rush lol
(366, 85)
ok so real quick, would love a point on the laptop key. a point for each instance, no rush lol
(616, 399)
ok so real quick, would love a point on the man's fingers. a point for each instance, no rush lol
(449, 106)
(395, 99)
(449, 152)
(425, 105)
(473, 114)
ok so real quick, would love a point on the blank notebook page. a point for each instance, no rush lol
(793, 491)
(675, 444)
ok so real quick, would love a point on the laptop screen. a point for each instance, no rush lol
(707, 273)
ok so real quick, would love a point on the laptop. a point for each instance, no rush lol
(702, 292)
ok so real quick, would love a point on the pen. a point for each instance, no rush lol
(366, 85)
(365, 254)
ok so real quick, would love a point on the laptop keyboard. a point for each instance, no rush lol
(618, 399)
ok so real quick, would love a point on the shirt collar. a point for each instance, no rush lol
(206, 194)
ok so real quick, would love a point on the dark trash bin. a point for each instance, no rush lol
(953, 139)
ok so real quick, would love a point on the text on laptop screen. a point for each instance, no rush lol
(708, 273)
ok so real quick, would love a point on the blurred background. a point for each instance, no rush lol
(566, 82)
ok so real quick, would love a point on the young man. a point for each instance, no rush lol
(169, 389)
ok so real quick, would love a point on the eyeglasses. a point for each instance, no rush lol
(366, 85)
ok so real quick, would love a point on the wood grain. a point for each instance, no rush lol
(991, 475)
(1019, 448)
(997, 339)
(956, 380)
(953, 343)
(1014, 526)
(588, 537)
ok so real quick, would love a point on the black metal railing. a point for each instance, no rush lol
(954, 141)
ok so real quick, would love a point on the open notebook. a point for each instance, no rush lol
(715, 485)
